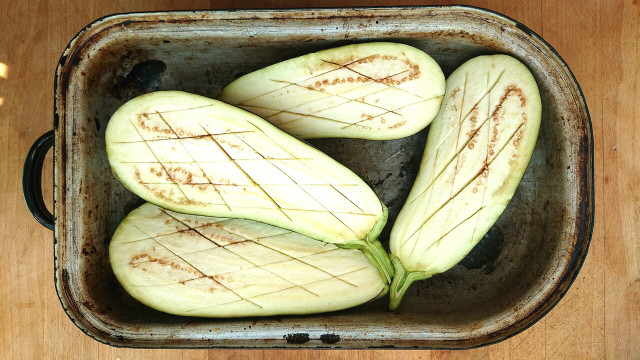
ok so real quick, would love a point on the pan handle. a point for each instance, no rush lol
(32, 180)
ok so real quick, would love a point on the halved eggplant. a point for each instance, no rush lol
(375, 90)
(197, 155)
(477, 151)
(219, 267)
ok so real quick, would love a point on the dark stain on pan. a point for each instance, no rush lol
(329, 338)
(297, 338)
(485, 252)
(144, 77)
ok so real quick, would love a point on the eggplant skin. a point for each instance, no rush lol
(193, 265)
(477, 151)
(376, 90)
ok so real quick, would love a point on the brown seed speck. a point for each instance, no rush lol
(397, 125)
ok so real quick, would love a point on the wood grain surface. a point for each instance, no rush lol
(598, 318)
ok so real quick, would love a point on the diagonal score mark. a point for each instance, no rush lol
(437, 149)
(377, 80)
(245, 173)
(230, 231)
(297, 184)
(178, 110)
(159, 162)
(173, 233)
(165, 284)
(235, 185)
(207, 162)
(305, 284)
(303, 116)
(452, 229)
(184, 137)
(247, 260)
(217, 305)
(198, 270)
(305, 210)
(400, 108)
(302, 161)
(456, 157)
(298, 258)
(479, 173)
(458, 153)
(338, 95)
(486, 159)
(193, 159)
(299, 187)
(307, 79)
(288, 110)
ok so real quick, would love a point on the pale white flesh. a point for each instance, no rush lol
(197, 155)
(373, 90)
(218, 267)
(477, 151)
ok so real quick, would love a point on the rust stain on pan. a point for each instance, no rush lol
(496, 292)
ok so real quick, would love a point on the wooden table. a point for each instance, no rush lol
(598, 318)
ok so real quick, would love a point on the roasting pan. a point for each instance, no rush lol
(518, 272)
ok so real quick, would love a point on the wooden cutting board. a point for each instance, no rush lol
(598, 318)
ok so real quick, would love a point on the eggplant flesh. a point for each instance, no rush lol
(477, 151)
(377, 90)
(193, 265)
(196, 155)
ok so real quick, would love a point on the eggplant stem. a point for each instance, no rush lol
(401, 282)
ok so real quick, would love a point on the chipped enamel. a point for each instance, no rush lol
(219, 267)
(370, 90)
(477, 150)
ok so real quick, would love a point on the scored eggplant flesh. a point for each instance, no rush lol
(196, 155)
(477, 151)
(377, 90)
(219, 267)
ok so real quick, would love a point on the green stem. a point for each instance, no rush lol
(374, 251)
(401, 282)
(379, 257)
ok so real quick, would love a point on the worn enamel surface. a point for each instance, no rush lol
(374, 90)
(477, 150)
(498, 290)
(219, 267)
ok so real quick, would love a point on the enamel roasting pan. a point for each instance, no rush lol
(518, 272)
